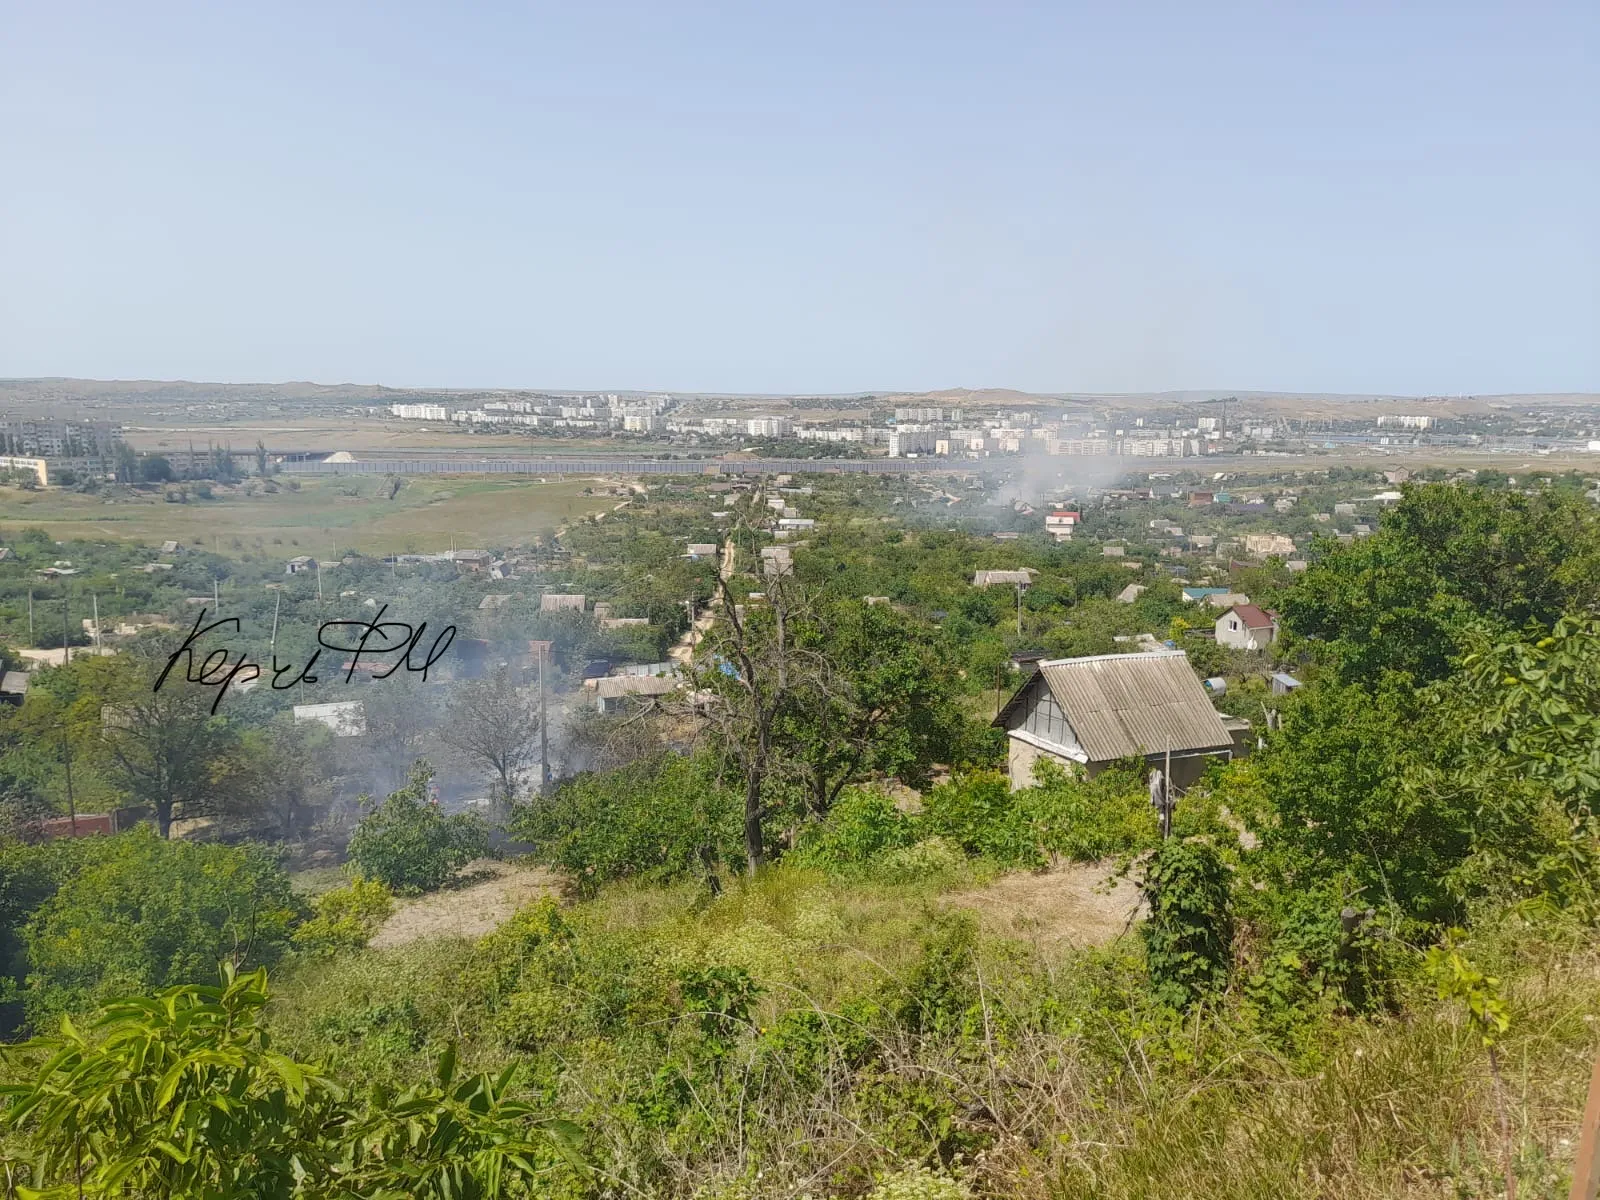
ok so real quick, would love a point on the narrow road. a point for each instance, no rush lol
(683, 652)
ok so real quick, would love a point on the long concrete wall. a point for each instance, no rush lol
(623, 465)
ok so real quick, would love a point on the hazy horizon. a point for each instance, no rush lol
(797, 201)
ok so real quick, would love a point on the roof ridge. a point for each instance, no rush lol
(1163, 653)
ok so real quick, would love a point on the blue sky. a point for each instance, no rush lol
(818, 197)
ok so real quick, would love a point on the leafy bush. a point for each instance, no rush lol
(941, 987)
(144, 913)
(181, 1095)
(1058, 817)
(932, 858)
(346, 917)
(979, 814)
(410, 845)
(29, 876)
(862, 825)
(660, 819)
(1187, 935)
(1087, 820)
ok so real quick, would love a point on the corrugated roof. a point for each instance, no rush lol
(985, 578)
(1135, 704)
(615, 686)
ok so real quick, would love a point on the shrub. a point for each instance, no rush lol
(979, 814)
(918, 1183)
(346, 917)
(145, 913)
(29, 876)
(659, 819)
(1059, 817)
(930, 859)
(863, 824)
(1086, 820)
(410, 845)
(941, 986)
(182, 1095)
(1190, 927)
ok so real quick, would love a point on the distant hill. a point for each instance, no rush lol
(92, 394)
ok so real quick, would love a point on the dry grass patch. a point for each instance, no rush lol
(490, 892)
(1068, 907)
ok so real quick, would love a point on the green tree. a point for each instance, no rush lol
(154, 468)
(1535, 707)
(661, 818)
(409, 844)
(1445, 557)
(882, 703)
(164, 746)
(144, 913)
(127, 463)
(280, 773)
(1349, 801)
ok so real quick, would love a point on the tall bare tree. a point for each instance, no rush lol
(494, 725)
(401, 719)
(753, 666)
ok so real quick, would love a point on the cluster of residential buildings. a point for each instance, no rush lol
(38, 446)
(601, 412)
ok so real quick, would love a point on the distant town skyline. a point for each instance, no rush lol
(819, 199)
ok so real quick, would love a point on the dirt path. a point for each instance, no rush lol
(1072, 906)
(682, 652)
(469, 911)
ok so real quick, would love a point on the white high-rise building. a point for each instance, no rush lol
(769, 427)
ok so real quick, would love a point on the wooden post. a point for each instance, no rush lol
(1167, 801)
(1586, 1168)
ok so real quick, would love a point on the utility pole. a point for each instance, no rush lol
(319, 583)
(66, 644)
(30, 614)
(216, 603)
(66, 756)
(99, 645)
(1019, 610)
(273, 647)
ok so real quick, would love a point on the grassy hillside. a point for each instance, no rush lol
(354, 513)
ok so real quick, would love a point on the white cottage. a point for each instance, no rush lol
(1246, 627)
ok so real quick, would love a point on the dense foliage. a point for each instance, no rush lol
(141, 913)
(182, 1095)
(657, 818)
(408, 844)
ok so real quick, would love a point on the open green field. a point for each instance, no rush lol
(371, 434)
(323, 516)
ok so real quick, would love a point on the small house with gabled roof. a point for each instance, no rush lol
(1088, 713)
